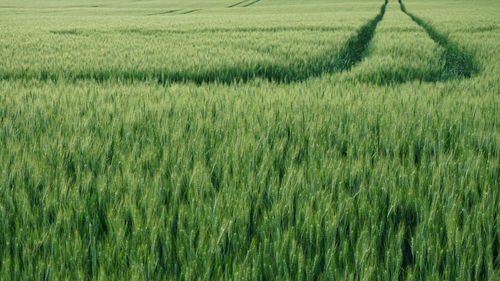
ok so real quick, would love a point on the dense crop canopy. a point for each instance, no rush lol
(249, 140)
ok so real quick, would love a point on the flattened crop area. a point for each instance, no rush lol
(249, 140)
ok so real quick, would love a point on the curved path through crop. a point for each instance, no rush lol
(458, 63)
(330, 61)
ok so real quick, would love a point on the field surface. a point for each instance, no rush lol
(250, 140)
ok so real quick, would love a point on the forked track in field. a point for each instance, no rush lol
(458, 63)
(300, 69)
(236, 4)
(251, 3)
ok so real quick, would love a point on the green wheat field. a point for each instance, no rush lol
(249, 140)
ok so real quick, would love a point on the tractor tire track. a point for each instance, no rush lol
(163, 13)
(236, 4)
(190, 11)
(300, 69)
(458, 63)
(251, 3)
(354, 49)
